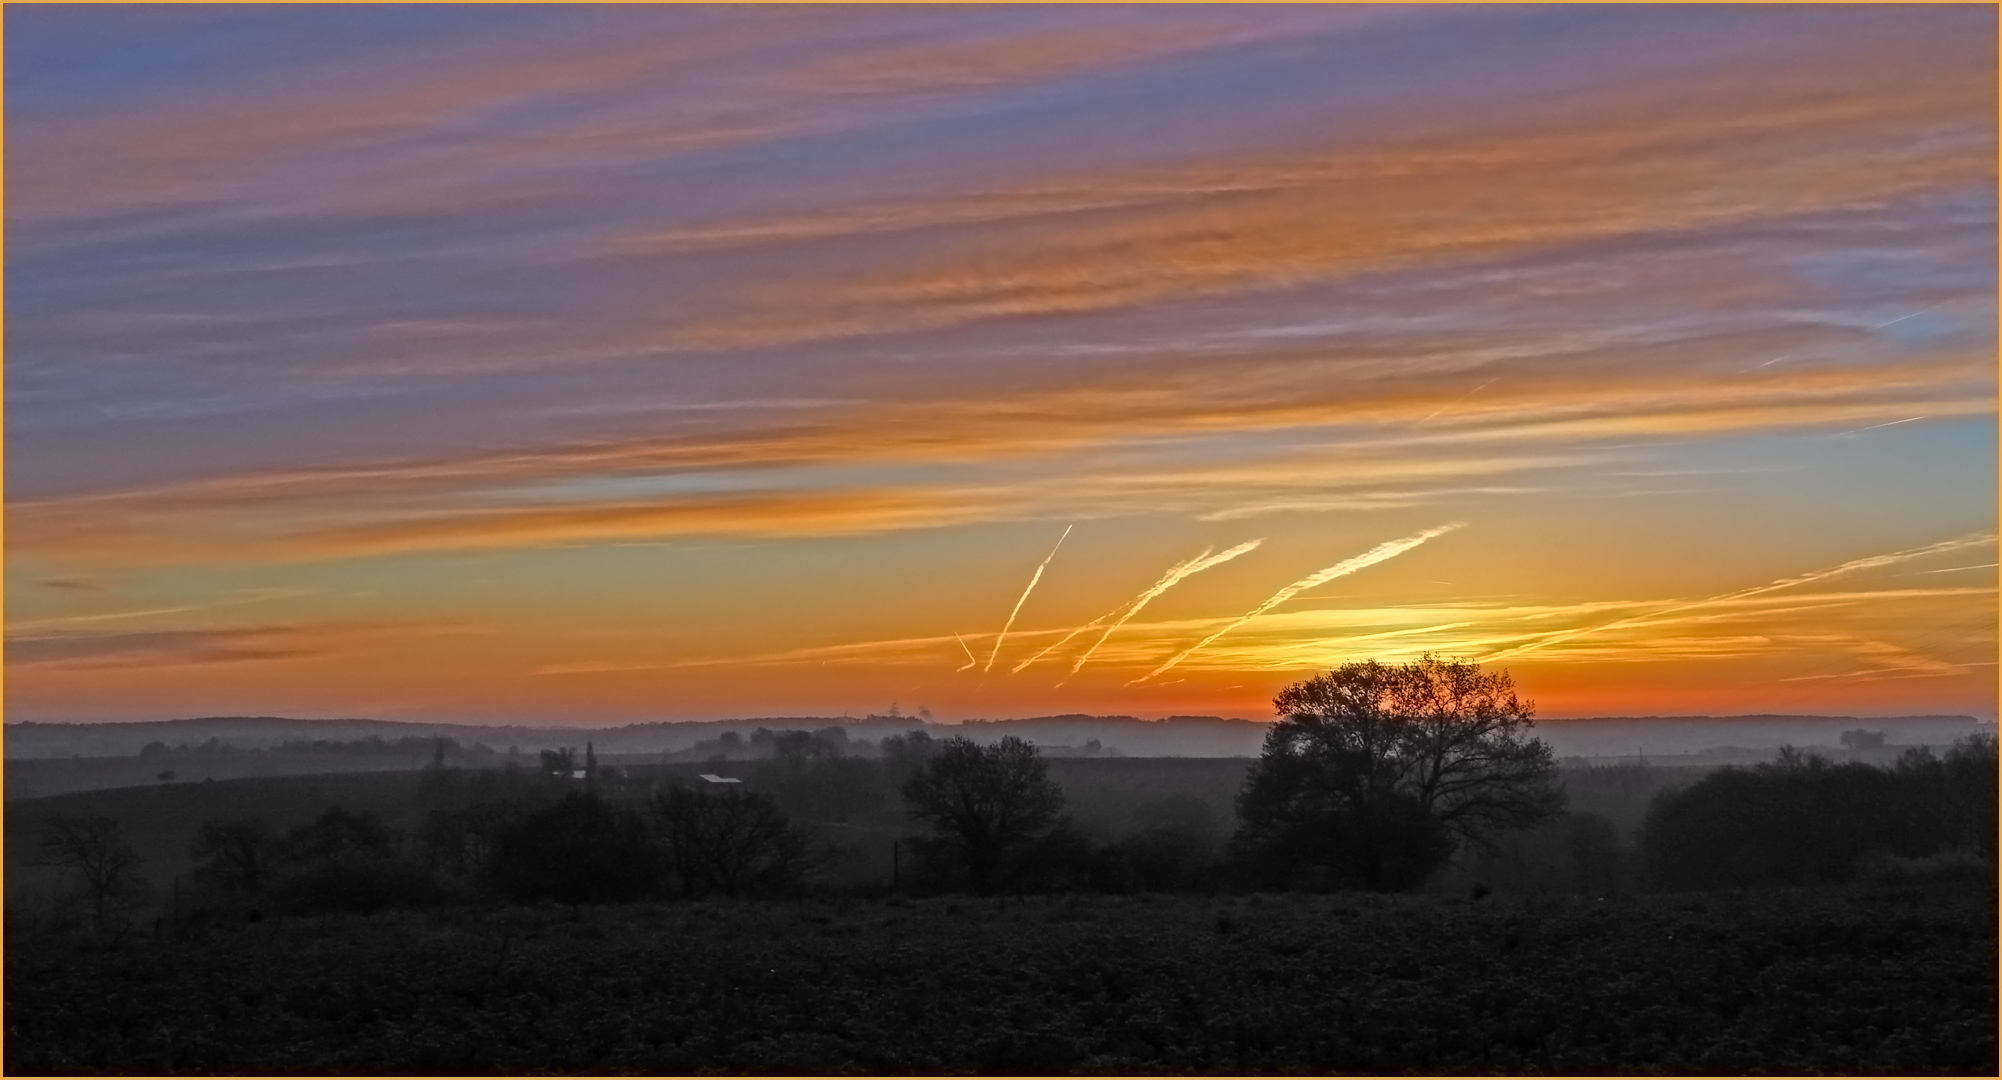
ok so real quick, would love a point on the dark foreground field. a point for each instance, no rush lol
(1897, 979)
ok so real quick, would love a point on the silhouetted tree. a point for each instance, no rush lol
(1970, 783)
(582, 850)
(733, 842)
(1158, 859)
(1374, 772)
(461, 835)
(342, 861)
(235, 855)
(1597, 855)
(988, 802)
(93, 847)
(561, 762)
(338, 834)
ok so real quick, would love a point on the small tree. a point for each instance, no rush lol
(560, 763)
(237, 855)
(93, 847)
(733, 843)
(342, 861)
(581, 850)
(1374, 773)
(988, 802)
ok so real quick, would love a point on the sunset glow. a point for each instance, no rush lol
(601, 364)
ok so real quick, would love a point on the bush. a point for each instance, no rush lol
(1160, 859)
(579, 851)
(359, 886)
(343, 862)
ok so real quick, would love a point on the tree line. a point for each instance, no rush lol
(1374, 777)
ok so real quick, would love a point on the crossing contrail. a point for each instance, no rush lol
(1100, 621)
(1868, 562)
(1048, 649)
(1202, 561)
(970, 658)
(1387, 550)
(1038, 576)
(1194, 566)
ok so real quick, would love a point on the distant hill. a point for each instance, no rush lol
(1175, 736)
(1651, 736)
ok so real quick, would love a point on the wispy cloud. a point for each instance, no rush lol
(72, 584)
(83, 649)
(609, 294)
(1870, 562)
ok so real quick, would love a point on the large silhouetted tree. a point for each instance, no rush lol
(1375, 772)
(989, 802)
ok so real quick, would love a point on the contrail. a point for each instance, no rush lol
(1902, 318)
(1893, 423)
(1388, 550)
(1868, 562)
(970, 658)
(1128, 610)
(1461, 398)
(1038, 576)
(1093, 624)
(1194, 566)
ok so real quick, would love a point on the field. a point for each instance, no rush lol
(1836, 979)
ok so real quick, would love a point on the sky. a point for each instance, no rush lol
(604, 364)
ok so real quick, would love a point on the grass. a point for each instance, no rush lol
(1841, 979)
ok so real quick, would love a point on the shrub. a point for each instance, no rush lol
(345, 862)
(581, 850)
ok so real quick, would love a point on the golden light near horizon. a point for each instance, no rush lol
(598, 365)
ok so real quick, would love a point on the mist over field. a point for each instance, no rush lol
(1173, 736)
